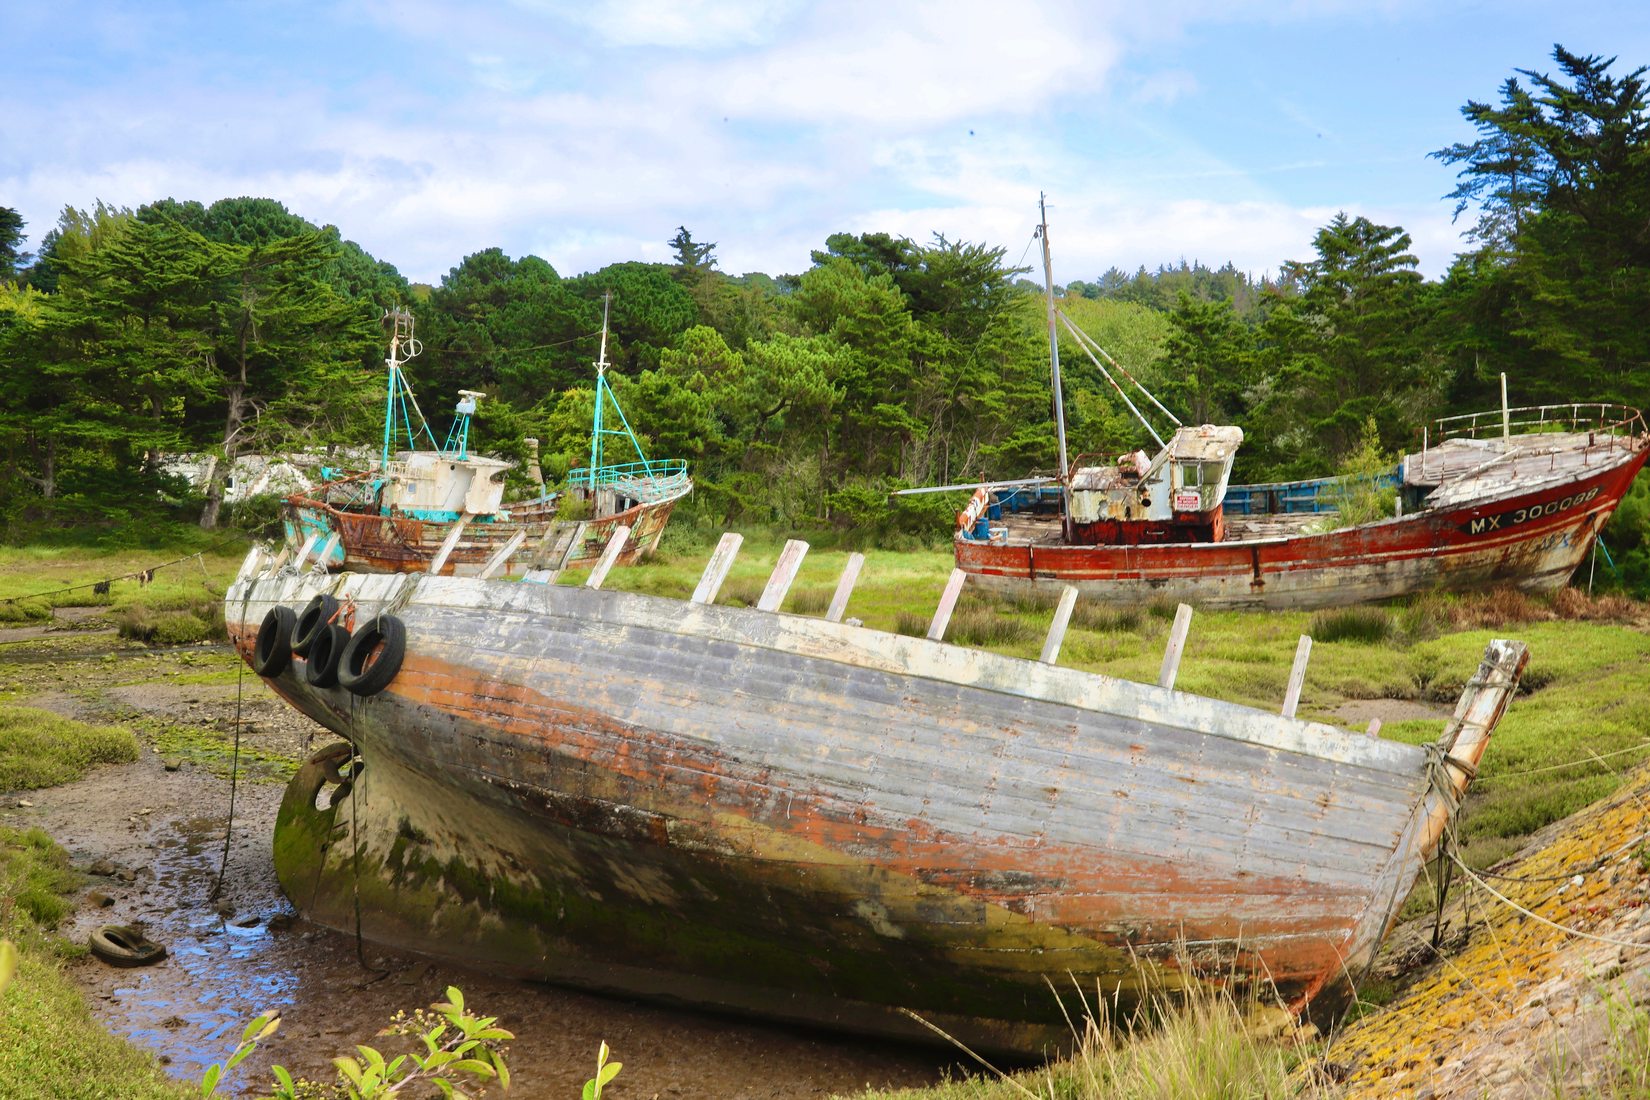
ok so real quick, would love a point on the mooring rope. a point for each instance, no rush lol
(145, 575)
(357, 765)
(234, 775)
(1567, 930)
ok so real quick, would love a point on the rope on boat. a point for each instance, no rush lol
(356, 765)
(234, 775)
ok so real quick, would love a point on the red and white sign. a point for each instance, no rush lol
(1187, 502)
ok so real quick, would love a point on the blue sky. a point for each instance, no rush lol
(1162, 130)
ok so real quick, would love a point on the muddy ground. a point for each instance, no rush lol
(151, 836)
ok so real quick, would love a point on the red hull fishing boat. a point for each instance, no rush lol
(811, 821)
(442, 510)
(1513, 497)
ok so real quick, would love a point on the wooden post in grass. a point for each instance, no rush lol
(784, 572)
(948, 601)
(609, 556)
(1177, 645)
(845, 588)
(1057, 628)
(1297, 676)
(716, 570)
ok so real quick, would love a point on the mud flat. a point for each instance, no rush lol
(157, 828)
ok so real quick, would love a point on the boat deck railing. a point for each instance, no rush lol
(649, 480)
(1599, 418)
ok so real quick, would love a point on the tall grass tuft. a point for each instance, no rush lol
(1201, 1044)
(808, 601)
(741, 591)
(1365, 625)
(983, 626)
(913, 624)
(1105, 619)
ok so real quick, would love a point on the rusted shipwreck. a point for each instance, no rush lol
(1487, 506)
(812, 821)
(441, 509)
(1510, 497)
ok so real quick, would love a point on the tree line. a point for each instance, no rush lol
(802, 400)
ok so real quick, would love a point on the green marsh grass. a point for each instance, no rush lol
(50, 1044)
(42, 749)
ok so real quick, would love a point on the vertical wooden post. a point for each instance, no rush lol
(447, 544)
(948, 600)
(1170, 668)
(1057, 628)
(303, 551)
(716, 570)
(845, 588)
(1297, 676)
(784, 572)
(325, 552)
(502, 554)
(610, 555)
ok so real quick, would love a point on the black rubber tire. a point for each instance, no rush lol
(316, 614)
(118, 945)
(270, 653)
(360, 670)
(324, 651)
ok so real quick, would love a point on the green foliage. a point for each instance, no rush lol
(605, 1072)
(453, 1049)
(1359, 494)
(1340, 349)
(42, 749)
(1558, 289)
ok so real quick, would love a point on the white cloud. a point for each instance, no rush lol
(684, 24)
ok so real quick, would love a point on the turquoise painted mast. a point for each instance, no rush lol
(599, 472)
(398, 395)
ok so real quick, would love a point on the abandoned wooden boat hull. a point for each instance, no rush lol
(1532, 535)
(372, 543)
(826, 824)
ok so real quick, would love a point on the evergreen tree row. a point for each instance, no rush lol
(240, 328)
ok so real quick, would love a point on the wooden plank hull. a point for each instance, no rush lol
(1532, 537)
(371, 543)
(821, 823)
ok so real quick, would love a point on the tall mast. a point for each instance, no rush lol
(601, 384)
(1053, 337)
(400, 326)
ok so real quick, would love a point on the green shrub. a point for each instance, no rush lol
(25, 611)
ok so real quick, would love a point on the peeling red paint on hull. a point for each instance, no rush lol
(1532, 539)
(821, 823)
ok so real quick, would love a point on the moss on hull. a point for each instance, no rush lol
(444, 873)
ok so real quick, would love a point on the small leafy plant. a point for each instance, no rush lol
(605, 1072)
(459, 1050)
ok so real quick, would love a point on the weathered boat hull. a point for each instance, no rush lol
(371, 543)
(1533, 540)
(825, 824)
